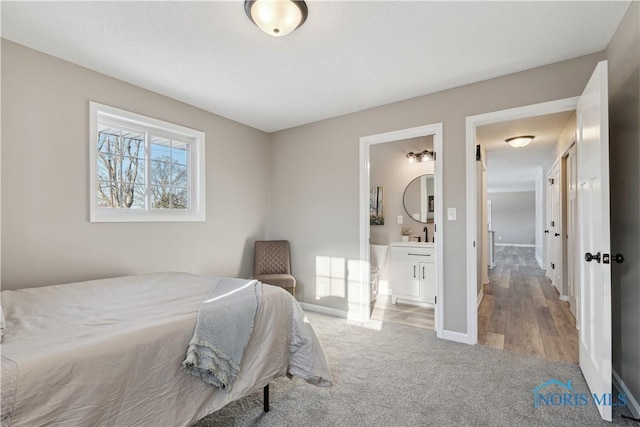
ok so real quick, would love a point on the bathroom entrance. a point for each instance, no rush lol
(400, 172)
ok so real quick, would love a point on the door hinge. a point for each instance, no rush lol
(551, 181)
(553, 266)
(435, 301)
(474, 243)
(434, 155)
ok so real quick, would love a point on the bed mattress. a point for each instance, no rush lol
(109, 352)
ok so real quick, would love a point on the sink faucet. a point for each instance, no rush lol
(426, 233)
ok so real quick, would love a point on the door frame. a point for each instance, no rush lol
(472, 123)
(366, 142)
(572, 226)
(556, 173)
(547, 225)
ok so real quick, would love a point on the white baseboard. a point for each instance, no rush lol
(518, 245)
(455, 336)
(539, 262)
(632, 403)
(324, 310)
(480, 296)
(564, 298)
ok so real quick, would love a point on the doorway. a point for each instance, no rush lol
(401, 188)
(435, 131)
(522, 304)
(473, 123)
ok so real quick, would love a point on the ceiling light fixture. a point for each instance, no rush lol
(276, 17)
(519, 141)
(424, 156)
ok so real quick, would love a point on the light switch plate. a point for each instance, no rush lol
(451, 214)
(399, 219)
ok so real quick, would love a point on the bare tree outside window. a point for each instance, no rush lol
(121, 171)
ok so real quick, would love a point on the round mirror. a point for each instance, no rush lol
(418, 199)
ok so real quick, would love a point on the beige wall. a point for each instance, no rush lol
(623, 54)
(513, 217)
(565, 140)
(314, 201)
(46, 234)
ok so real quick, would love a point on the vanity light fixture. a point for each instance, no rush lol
(424, 156)
(276, 17)
(519, 141)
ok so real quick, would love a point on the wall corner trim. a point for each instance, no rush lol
(457, 337)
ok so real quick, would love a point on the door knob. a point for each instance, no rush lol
(556, 234)
(619, 258)
(588, 257)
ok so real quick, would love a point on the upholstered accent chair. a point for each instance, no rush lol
(272, 264)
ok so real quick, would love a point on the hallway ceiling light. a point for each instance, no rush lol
(519, 141)
(276, 17)
(424, 156)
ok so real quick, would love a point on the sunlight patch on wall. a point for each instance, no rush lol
(330, 277)
(359, 287)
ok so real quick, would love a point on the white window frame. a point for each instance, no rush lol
(196, 140)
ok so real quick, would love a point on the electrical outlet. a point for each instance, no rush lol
(451, 214)
(400, 219)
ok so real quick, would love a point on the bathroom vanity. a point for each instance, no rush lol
(413, 272)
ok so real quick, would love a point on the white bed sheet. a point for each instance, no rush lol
(112, 357)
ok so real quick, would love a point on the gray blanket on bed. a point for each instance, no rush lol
(224, 325)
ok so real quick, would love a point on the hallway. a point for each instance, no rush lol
(520, 311)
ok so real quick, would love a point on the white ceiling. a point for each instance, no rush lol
(347, 57)
(515, 169)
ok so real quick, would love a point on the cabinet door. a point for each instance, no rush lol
(428, 281)
(406, 278)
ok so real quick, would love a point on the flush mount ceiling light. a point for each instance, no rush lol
(276, 17)
(519, 141)
(425, 156)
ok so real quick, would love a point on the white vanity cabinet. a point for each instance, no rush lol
(413, 272)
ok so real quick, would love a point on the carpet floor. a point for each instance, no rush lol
(395, 375)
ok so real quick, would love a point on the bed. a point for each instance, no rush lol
(109, 352)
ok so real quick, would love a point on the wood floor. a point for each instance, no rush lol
(520, 311)
(404, 314)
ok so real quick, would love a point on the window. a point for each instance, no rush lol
(143, 169)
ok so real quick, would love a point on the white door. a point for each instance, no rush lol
(539, 220)
(548, 247)
(573, 256)
(555, 229)
(593, 230)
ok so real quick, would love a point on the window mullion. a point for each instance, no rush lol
(147, 172)
(172, 194)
